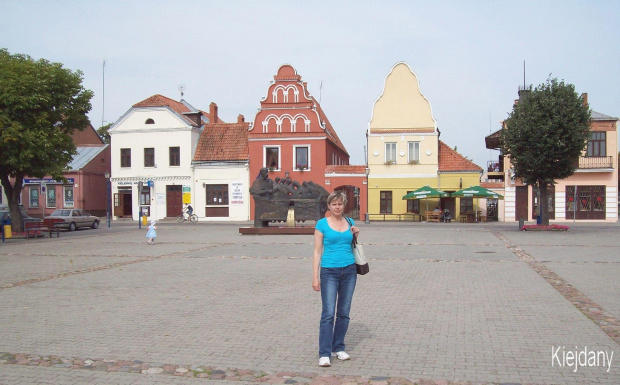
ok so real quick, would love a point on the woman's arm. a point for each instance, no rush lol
(316, 259)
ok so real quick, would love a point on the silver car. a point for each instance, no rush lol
(74, 218)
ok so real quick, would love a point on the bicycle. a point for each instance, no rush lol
(185, 217)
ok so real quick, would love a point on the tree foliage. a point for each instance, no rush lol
(104, 134)
(41, 104)
(545, 134)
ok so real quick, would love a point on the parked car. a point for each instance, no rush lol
(74, 219)
(6, 214)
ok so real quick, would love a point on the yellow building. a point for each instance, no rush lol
(405, 153)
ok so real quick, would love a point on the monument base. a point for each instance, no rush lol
(273, 230)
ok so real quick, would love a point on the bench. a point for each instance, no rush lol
(48, 225)
(433, 216)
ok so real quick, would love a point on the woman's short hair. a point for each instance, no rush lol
(339, 195)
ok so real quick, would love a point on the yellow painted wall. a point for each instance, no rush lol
(402, 104)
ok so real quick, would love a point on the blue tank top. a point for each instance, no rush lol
(336, 245)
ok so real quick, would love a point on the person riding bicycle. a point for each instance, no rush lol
(189, 209)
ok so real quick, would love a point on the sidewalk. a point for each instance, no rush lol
(443, 303)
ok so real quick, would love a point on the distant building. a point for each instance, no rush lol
(153, 146)
(590, 194)
(292, 137)
(221, 172)
(405, 153)
(86, 184)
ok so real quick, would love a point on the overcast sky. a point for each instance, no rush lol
(468, 55)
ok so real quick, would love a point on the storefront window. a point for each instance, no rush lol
(68, 196)
(51, 196)
(34, 197)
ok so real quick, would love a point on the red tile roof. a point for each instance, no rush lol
(223, 142)
(158, 100)
(450, 160)
(162, 101)
(346, 169)
(329, 130)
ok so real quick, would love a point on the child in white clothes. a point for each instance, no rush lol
(151, 234)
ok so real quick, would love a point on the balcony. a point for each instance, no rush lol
(595, 162)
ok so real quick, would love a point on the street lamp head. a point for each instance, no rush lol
(367, 171)
(107, 174)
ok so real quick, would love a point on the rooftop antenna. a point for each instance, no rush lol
(320, 91)
(103, 96)
(523, 74)
(181, 90)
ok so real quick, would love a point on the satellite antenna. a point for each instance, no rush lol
(181, 89)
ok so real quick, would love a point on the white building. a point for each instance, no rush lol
(221, 172)
(153, 145)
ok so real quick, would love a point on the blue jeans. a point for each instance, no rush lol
(337, 286)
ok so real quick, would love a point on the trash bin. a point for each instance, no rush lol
(539, 219)
(144, 220)
(6, 228)
(521, 223)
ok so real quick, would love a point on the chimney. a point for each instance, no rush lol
(584, 97)
(213, 112)
(240, 118)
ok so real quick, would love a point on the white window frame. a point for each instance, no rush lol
(415, 157)
(295, 147)
(387, 152)
(279, 147)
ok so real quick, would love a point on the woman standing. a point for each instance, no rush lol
(334, 259)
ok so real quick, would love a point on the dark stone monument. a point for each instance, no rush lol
(277, 201)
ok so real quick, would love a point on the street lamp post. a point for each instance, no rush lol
(108, 182)
(367, 221)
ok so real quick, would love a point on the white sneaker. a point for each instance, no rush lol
(343, 356)
(324, 361)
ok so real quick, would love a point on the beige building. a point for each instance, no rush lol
(405, 153)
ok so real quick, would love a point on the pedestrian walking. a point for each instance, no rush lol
(151, 233)
(334, 275)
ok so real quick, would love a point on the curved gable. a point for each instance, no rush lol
(402, 104)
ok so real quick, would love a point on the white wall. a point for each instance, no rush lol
(236, 177)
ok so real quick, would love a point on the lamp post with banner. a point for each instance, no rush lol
(139, 206)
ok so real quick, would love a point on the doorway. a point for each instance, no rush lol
(174, 200)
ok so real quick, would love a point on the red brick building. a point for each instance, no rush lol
(292, 136)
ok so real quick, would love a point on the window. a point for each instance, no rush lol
(175, 156)
(125, 157)
(585, 202)
(145, 196)
(33, 197)
(51, 196)
(390, 152)
(217, 194)
(272, 158)
(467, 205)
(217, 200)
(414, 152)
(597, 144)
(149, 121)
(413, 205)
(302, 160)
(385, 204)
(149, 157)
(68, 196)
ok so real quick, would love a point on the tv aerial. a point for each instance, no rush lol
(182, 89)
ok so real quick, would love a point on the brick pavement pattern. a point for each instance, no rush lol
(444, 303)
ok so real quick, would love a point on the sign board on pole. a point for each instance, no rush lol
(187, 195)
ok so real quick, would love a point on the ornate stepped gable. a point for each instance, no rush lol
(289, 110)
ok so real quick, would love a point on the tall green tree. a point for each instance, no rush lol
(104, 134)
(545, 134)
(41, 104)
